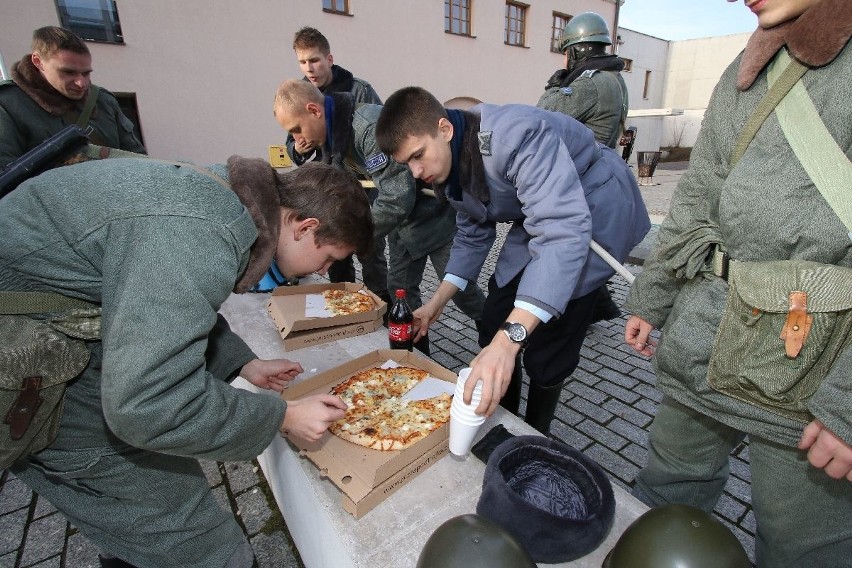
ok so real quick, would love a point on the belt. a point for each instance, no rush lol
(720, 263)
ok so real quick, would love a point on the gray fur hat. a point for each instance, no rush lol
(555, 501)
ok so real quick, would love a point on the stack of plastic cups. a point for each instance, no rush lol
(464, 422)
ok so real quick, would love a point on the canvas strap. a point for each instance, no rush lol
(817, 150)
(776, 92)
(86, 113)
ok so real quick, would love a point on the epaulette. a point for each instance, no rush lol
(588, 73)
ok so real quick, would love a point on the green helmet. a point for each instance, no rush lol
(677, 536)
(472, 541)
(587, 27)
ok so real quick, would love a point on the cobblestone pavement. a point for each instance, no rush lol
(605, 411)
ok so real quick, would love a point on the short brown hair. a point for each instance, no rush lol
(50, 39)
(410, 111)
(334, 197)
(308, 37)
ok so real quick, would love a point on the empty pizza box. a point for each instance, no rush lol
(287, 307)
(367, 477)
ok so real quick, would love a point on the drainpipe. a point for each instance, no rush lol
(4, 73)
(614, 46)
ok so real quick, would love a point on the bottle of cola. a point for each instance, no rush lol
(399, 323)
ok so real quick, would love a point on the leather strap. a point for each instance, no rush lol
(798, 324)
(24, 409)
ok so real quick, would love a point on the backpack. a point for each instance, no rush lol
(42, 348)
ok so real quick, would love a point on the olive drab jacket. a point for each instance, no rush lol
(765, 208)
(32, 111)
(597, 98)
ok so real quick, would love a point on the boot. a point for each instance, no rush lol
(423, 345)
(541, 405)
(113, 562)
(605, 308)
(511, 401)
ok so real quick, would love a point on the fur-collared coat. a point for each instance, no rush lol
(765, 208)
(159, 247)
(31, 111)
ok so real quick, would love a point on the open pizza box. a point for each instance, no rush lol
(367, 477)
(288, 305)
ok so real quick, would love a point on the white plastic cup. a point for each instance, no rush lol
(462, 432)
(477, 390)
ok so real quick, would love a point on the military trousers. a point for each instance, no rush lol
(151, 510)
(803, 517)
(406, 272)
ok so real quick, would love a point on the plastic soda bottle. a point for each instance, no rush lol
(399, 323)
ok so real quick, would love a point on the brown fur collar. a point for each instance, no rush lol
(815, 38)
(32, 82)
(256, 185)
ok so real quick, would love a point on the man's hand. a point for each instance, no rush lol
(274, 374)
(308, 418)
(494, 366)
(637, 334)
(826, 451)
(303, 146)
(424, 316)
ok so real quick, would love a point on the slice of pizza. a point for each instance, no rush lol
(343, 302)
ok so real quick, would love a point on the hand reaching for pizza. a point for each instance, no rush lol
(273, 374)
(309, 418)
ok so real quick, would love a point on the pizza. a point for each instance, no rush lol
(379, 418)
(343, 303)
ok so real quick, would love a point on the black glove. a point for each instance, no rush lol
(496, 436)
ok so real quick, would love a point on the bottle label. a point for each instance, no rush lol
(399, 331)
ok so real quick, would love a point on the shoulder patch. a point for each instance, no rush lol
(376, 162)
(588, 73)
(484, 142)
(566, 90)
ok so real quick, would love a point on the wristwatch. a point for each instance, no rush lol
(516, 332)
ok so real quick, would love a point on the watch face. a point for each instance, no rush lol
(516, 332)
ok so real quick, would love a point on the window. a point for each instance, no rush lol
(336, 7)
(628, 64)
(128, 106)
(457, 17)
(92, 20)
(559, 22)
(516, 23)
(647, 85)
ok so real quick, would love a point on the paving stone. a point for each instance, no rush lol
(45, 538)
(14, 495)
(649, 392)
(211, 472)
(254, 510)
(586, 392)
(629, 431)
(635, 453)
(54, 562)
(644, 376)
(593, 411)
(617, 378)
(612, 462)
(588, 365)
(273, 551)
(602, 435)
(12, 527)
(221, 495)
(584, 377)
(568, 415)
(739, 489)
(8, 560)
(241, 476)
(618, 392)
(613, 363)
(730, 509)
(569, 435)
(646, 406)
(43, 507)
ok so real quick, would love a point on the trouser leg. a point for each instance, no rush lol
(605, 306)
(803, 517)
(541, 406)
(374, 270)
(405, 272)
(688, 458)
(471, 300)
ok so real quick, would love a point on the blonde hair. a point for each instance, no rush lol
(294, 94)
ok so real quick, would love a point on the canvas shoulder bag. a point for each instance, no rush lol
(786, 322)
(39, 355)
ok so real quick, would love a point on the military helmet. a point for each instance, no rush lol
(677, 536)
(472, 541)
(587, 27)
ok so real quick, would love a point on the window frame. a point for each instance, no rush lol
(520, 19)
(109, 27)
(332, 9)
(556, 32)
(647, 86)
(628, 64)
(465, 10)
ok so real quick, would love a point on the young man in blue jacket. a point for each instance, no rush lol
(544, 173)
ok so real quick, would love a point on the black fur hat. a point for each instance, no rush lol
(554, 500)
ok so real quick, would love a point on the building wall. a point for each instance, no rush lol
(205, 71)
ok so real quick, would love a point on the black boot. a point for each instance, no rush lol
(113, 562)
(605, 308)
(423, 345)
(541, 405)
(511, 401)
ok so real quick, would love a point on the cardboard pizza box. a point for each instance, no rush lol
(286, 305)
(367, 477)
